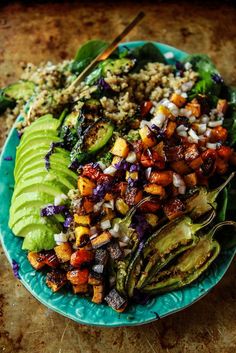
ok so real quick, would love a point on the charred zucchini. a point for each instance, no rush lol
(94, 138)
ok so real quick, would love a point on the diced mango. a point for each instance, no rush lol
(178, 100)
(82, 220)
(63, 252)
(85, 186)
(120, 148)
(147, 136)
(155, 189)
(122, 206)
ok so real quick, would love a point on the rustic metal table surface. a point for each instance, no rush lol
(53, 31)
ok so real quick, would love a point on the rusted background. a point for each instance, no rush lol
(53, 31)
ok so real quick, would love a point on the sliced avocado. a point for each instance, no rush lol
(41, 238)
(35, 139)
(61, 156)
(37, 199)
(20, 90)
(42, 130)
(52, 186)
(117, 66)
(29, 210)
(37, 146)
(22, 226)
(45, 175)
(57, 164)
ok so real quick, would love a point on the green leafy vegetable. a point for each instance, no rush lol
(145, 54)
(206, 70)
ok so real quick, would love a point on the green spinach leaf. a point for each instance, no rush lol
(145, 54)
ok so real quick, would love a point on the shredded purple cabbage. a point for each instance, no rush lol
(8, 158)
(122, 165)
(68, 221)
(100, 191)
(104, 86)
(140, 298)
(15, 268)
(217, 78)
(142, 227)
(132, 182)
(51, 210)
(50, 152)
(134, 168)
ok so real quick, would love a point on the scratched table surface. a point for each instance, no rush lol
(53, 31)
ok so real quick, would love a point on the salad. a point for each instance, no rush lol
(122, 183)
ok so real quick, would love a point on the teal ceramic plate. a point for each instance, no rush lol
(80, 309)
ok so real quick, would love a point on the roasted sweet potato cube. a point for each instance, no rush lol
(81, 257)
(82, 236)
(170, 129)
(95, 279)
(85, 186)
(191, 152)
(222, 106)
(35, 260)
(219, 133)
(178, 100)
(174, 208)
(55, 280)
(120, 148)
(195, 108)
(180, 167)
(162, 178)
(101, 239)
(87, 205)
(63, 252)
(78, 276)
(196, 163)
(147, 136)
(155, 189)
(82, 220)
(98, 294)
(80, 288)
(190, 180)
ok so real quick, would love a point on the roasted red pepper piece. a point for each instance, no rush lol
(78, 276)
(151, 158)
(208, 166)
(91, 171)
(219, 133)
(174, 208)
(81, 257)
(145, 108)
(225, 152)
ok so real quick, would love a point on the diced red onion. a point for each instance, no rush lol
(215, 123)
(182, 133)
(110, 170)
(61, 238)
(148, 172)
(193, 135)
(97, 206)
(158, 120)
(213, 146)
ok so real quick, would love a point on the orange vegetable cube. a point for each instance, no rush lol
(178, 100)
(155, 189)
(147, 136)
(120, 148)
(85, 186)
(222, 106)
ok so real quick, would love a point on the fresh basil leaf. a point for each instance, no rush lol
(90, 50)
(145, 54)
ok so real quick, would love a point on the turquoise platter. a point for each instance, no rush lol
(80, 309)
